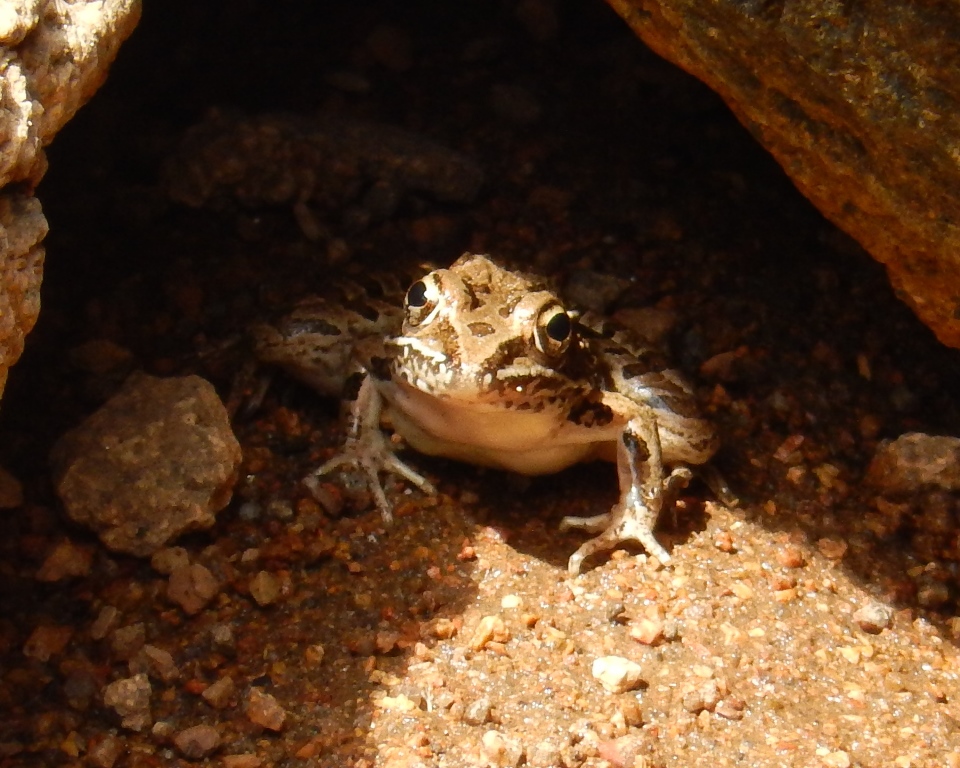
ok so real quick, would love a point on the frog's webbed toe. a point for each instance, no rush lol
(369, 452)
(631, 519)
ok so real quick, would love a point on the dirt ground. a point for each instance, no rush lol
(813, 625)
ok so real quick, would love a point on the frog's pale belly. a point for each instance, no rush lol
(525, 442)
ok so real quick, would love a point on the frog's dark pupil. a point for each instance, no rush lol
(558, 326)
(417, 295)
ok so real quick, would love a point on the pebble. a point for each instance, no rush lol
(647, 631)
(46, 641)
(478, 711)
(197, 742)
(130, 699)
(490, 629)
(874, 617)
(125, 642)
(105, 622)
(220, 694)
(67, 560)
(617, 674)
(161, 663)
(105, 752)
(265, 588)
(262, 709)
(914, 461)
(192, 587)
(501, 750)
(165, 561)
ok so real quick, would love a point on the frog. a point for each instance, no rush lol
(487, 365)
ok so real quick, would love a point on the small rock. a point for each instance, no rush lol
(646, 630)
(197, 742)
(262, 709)
(478, 711)
(915, 461)
(168, 559)
(490, 629)
(220, 694)
(47, 640)
(874, 617)
(130, 699)
(731, 708)
(265, 588)
(105, 622)
(617, 674)
(501, 750)
(192, 587)
(67, 560)
(702, 697)
(11, 491)
(158, 459)
(105, 752)
(161, 663)
(126, 641)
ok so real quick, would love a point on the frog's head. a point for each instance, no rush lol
(478, 332)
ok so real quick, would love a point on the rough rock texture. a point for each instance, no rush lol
(860, 103)
(157, 460)
(53, 57)
(914, 462)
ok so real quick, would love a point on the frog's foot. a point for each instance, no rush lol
(631, 519)
(371, 453)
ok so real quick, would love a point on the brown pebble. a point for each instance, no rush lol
(47, 640)
(105, 752)
(197, 742)
(168, 559)
(731, 708)
(130, 699)
(126, 641)
(262, 709)
(791, 556)
(265, 588)
(161, 663)
(490, 629)
(67, 560)
(874, 617)
(833, 549)
(220, 694)
(192, 587)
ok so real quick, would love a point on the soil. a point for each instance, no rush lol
(813, 625)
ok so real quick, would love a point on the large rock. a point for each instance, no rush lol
(53, 57)
(859, 102)
(157, 460)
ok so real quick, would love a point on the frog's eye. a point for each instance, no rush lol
(422, 300)
(553, 330)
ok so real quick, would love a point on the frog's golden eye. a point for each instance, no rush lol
(553, 330)
(422, 300)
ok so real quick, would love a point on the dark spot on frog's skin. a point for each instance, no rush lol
(589, 413)
(636, 447)
(366, 311)
(351, 387)
(379, 368)
(481, 329)
(313, 326)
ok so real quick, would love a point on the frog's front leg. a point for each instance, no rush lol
(369, 451)
(643, 492)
